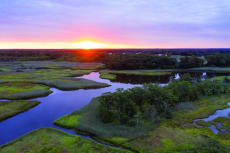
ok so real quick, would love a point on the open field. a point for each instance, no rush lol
(55, 141)
(174, 135)
(11, 108)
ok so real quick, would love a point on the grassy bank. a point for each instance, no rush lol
(87, 119)
(23, 90)
(72, 84)
(172, 135)
(139, 72)
(61, 78)
(54, 141)
(11, 108)
(106, 75)
(212, 69)
(112, 74)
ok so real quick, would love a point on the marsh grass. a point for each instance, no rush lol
(72, 84)
(50, 140)
(212, 69)
(22, 90)
(57, 78)
(12, 108)
(106, 75)
(167, 136)
(87, 120)
(139, 72)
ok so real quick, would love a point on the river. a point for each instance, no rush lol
(56, 105)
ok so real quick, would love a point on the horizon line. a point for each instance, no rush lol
(99, 48)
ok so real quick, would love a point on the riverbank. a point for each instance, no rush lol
(12, 108)
(162, 136)
(48, 140)
(167, 136)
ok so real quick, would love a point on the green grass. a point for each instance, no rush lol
(112, 74)
(173, 135)
(22, 90)
(68, 120)
(11, 108)
(88, 66)
(22, 65)
(87, 120)
(159, 72)
(57, 78)
(139, 72)
(212, 69)
(72, 84)
(54, 141)
(106, 75)
(225, 122)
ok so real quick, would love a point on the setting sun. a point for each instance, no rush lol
(90, 45)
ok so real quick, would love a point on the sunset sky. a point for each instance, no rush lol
(115, 23)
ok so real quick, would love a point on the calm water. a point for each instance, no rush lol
(163, 79)
(57, 104)
(60, 103)
(218, 113)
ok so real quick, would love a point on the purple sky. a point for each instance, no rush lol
(144, 23)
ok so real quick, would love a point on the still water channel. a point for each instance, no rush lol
(61, 103)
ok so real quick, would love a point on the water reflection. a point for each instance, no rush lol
(164, 79)
(60, 103)
(219, 113)
(57, 104)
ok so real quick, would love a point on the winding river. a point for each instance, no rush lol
(57, 104)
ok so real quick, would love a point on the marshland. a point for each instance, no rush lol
(117, 101)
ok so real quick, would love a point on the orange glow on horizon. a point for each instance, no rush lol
(81, 44)
(90, 45)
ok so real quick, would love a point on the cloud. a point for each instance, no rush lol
(130, 21)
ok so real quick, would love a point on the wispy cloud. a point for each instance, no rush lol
(172, 23)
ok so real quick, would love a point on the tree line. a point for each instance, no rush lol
(133, 106)
(127, 59)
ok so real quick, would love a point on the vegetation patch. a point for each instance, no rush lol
(11, 108)
(107, 75)
(72, 84)
(145, 118)
(87, 120)
(212, 69)
(223, 120)
(88, 66)
(58, 78)
(179, 130)
(138, 72)
(54, 141)
(22, 90)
